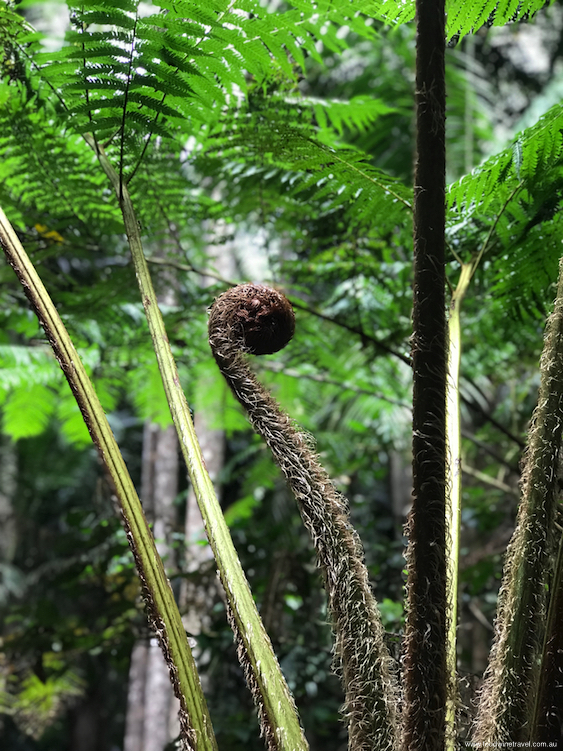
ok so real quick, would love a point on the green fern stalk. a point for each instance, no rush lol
(163, 613)
(453, 490)
(506, 712)
(278, 716)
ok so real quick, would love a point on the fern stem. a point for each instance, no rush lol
(278, 715)
(548, 704)
(425, 676)
(162, 610)
(453, 486)
(361, 654)
(513, 675)
(124, 112)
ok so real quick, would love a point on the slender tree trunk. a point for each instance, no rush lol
(134, 721)
(197, 594)
(425, 675)
(86, 731)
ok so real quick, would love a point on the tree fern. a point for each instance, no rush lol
(128, 75)
(202, 90)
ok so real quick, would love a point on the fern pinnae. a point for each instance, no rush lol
(363, 174)
(125, 102)
(256, 319)
(488, 239)
(462, 17)
(180, 64)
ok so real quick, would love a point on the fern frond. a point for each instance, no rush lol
(290, 139)
(517, 196)
(47, 175)
(468, 17)
(334, 179)
(101, 17)
(355, 115)
(124, 77)
(130, 6)
(463, 16)
(21, 366)
(540, 149)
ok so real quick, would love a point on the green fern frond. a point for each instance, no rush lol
(514, 199)
(123, 76)
(26, 410)
(130, 6)
(468, 17)
(94, 38)
(540, 149)
(58, 172)
(291, 139)
(463, 16)
(21, 366)
(394, 12)
(355, 115)
(101, 17)
(524, 280)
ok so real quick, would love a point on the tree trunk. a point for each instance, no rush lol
(86, 731)
(197, 594)
(425, 675)
(8, 482)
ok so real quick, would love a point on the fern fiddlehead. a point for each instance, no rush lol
(255, 319)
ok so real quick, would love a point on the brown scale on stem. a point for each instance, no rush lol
(253, 318)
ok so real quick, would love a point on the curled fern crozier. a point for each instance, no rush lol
(252, 318)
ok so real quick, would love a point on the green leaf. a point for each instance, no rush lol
(27, 411)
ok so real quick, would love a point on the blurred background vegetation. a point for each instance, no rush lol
(69, 597)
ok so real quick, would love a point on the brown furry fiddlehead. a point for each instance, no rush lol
(252, 318)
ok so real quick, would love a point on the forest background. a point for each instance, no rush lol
(287, 179)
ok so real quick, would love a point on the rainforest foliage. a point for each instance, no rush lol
(280, 135)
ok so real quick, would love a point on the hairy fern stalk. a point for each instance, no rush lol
(256, 319)
(516, 670)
